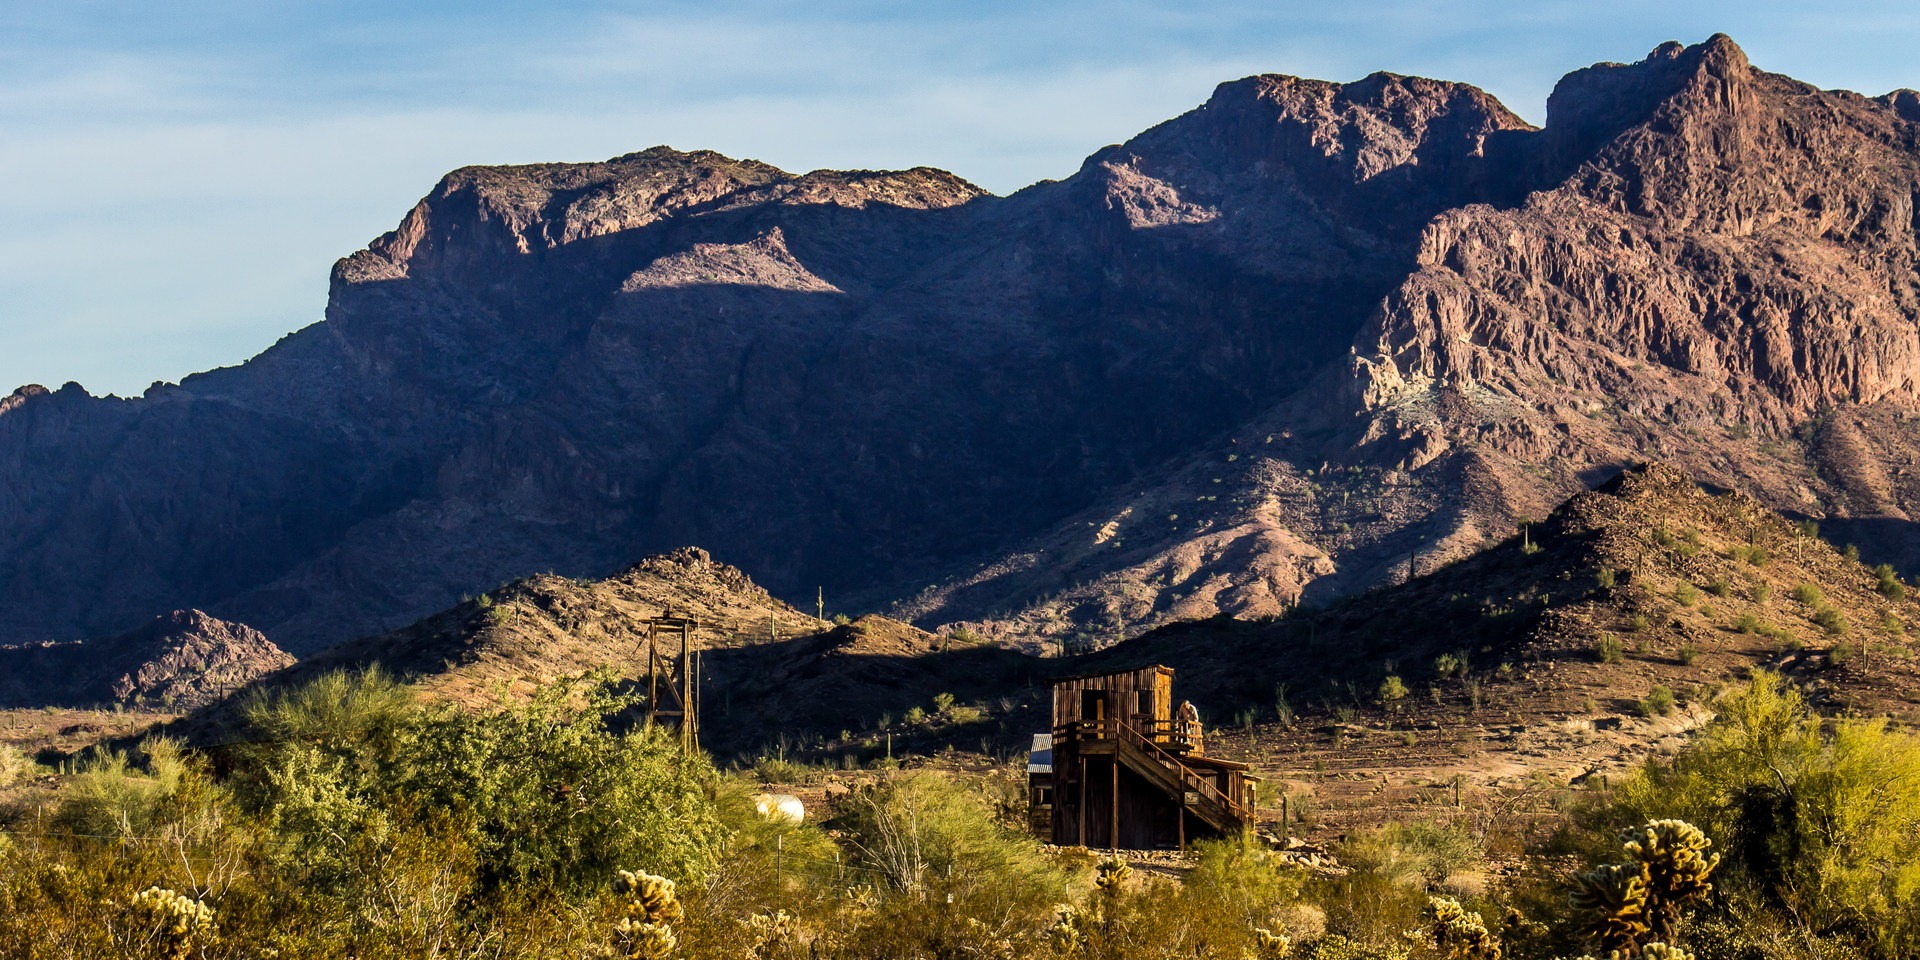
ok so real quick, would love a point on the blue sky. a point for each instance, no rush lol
(177, 179)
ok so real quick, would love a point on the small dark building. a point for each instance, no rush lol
(1126, 767)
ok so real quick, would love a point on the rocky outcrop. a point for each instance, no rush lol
(182, 660)
(1303, 338)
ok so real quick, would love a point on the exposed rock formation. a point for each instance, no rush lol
(1300, 339)
(182, 660)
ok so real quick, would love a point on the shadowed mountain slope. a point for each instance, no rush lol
(1266, 349)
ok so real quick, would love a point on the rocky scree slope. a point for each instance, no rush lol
(1269, 347)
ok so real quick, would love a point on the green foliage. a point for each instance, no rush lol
(547, 794)
(1658, 702)
(1415, 854)
(1890, 586)
(1751, 555)
(1808, 594)
(1607, 648)
(109, 797)
(14, 766)
(1685, 594)
(1392, 689)
(1719, 587)
(1446, 665)
(915, 829)
(1830, 620)
(1817, 816)
(1605, 579)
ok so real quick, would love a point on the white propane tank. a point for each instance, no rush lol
(780, 806)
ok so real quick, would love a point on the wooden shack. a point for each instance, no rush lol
(1127, 770)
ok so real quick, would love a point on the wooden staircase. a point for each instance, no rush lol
(1164, 769)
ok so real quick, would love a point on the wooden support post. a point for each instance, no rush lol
(1113, 837)
(1080, 834)
(1183, 821)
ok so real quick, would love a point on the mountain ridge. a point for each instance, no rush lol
(1376, 319)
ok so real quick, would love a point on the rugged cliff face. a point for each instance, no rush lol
(1262, 348)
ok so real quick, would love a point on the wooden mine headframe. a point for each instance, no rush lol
(673, 676)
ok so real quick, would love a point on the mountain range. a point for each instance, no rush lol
(1304, 339)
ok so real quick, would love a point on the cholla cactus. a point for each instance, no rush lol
(1661, 951)
(1068, 931)
(180, 922)
(645, 932)
(771, 935)
(1113, 874)
(1615, 897)
(1268, 945)
(1673, 853)
(1463, 935)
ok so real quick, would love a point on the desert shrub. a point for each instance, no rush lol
(1808, 594)
(547, 794)
(1890, 585)
(1446, 665)
(1607, 648)
(1606, 578)
(1852, 552)
(111, 797)
(1815, 817)
(1685, 594)
(1392, 689)
(1416, 854)
(1751, 555)
(1240, 880)
(1637, 623)
(1658, 702)
(14, 766)
(1686, 653)
(1830, 620)
(916, 830)
(1748, 623)
(1719, 587)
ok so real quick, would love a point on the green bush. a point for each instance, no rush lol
(1830, 620)
(1817, 816)
(1607, 648)
(1685, 594)
(1658, 702)
(1392, 689)
(1890, 586)
(1808, 594)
